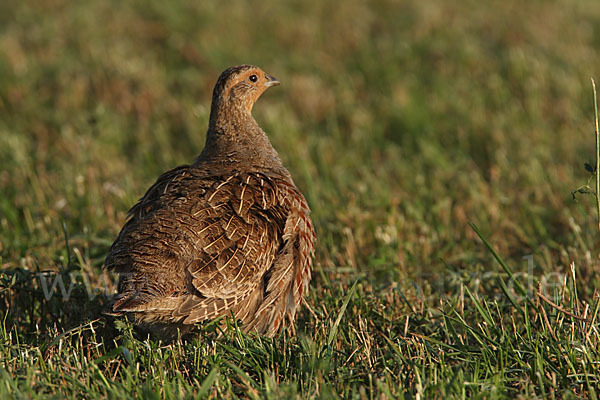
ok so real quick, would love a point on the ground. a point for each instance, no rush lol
(409, 125)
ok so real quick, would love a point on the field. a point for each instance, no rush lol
(438, 144)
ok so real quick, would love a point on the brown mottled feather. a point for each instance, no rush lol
(230, 233)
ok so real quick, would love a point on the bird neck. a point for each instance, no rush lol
(231, 115)
(234, 137)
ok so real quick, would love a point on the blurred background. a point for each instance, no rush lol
(401, 121)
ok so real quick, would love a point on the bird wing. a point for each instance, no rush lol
(291, 270)
(239, 246)
(156, 197)
(205, 241)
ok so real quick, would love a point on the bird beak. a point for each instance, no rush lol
(271, 81)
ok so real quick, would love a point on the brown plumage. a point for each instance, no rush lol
(227, 234)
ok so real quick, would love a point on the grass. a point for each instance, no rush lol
(402, 122)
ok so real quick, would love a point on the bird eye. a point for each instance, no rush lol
(253, 78)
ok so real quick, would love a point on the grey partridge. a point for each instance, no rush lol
(229, 234)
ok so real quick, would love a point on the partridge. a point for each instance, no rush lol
(229, 234)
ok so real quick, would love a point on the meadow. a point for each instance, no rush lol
(438, 144)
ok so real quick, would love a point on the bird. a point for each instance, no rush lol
(228, 235)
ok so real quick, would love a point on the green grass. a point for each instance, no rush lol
(402, 122)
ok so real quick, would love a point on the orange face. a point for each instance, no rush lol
(247, 85)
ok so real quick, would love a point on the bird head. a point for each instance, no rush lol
(241, 86)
